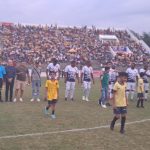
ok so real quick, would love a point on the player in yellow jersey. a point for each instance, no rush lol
(140, 90)
(52, 93)
(119, 101)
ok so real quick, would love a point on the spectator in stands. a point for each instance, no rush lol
(39, 43)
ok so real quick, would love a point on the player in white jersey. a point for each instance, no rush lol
(146, 80)
(132, 78)
(53, 67)
(113, 74)
(86, 77)
(71, 73)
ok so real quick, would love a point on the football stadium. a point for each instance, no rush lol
(71, 87)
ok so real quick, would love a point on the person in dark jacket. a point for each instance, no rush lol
(10, 78)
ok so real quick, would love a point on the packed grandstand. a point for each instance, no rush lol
(40, 43)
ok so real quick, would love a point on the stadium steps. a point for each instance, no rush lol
(139, 41)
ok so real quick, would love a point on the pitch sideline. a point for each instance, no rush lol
(67, 131)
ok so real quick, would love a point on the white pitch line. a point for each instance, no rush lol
(66, 131)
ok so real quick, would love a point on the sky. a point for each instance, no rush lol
(132, 14)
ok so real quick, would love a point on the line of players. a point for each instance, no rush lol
(71, 74)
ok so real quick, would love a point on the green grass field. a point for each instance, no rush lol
(27, 118)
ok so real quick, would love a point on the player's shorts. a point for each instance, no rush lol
(20, 85)
(70, 85)
(56, 77)
(140, 95)
(52, 102)
(120, 110)
(111, 86)
(131, 86)
(87, 84)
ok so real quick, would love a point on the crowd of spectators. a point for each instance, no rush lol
(41, 43)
